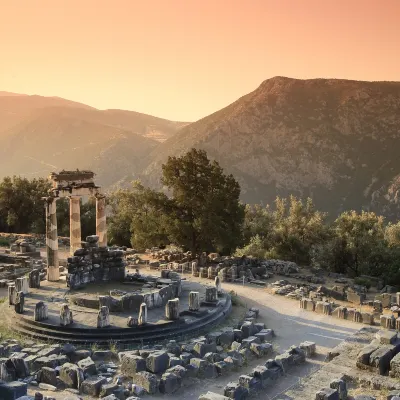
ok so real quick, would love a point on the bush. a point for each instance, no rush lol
(4, 242)
(363, 282)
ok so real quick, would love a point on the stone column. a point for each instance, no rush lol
(103, 317)
(74, 224)
(53, 271)
(65, 315)
(11, 294)
(194, 301)
(19, 303)
(142, 314)
(211, 294)
(172, 309)
(218, 285)
(101, 223)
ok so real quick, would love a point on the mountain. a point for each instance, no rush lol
(336, 141)
(41, 134)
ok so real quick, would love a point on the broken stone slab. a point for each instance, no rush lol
(132, 364)
(309, 348)
(364, 355)
(307, 304)
(251, 383)
(299, 355)
(248, 329)
(341, 387)
(169, 383)
(261, 350)
(380, 358)
(201, 349)
(157, 362)
(386, 337)
(265, 335)
(92, 385)
(108, 389)
(147, 381)
(327, 394)
(13, 390)
(71, 375)
(246, 343)
(41, 312)
(177, 370)
(395, 366)
(88, 366)
(47, 375)
(233, 390)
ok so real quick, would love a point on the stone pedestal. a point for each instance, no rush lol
(34, 279)
(65, 315)
(101, 220)
(41, 312)
(53, 271)
(19, 303)
(194, 301)
(103, 317)
(211, 294)
(74, 224)
(172, 309)
(195, 271)
(218, 285)
(142, 314)
(22, 285)
(11, 295)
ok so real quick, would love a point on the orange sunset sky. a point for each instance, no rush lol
(184, 59)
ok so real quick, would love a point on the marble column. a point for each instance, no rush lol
(74, 224)
(101, 224)
(53, 271)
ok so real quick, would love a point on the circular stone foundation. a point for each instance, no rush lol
(84, 329)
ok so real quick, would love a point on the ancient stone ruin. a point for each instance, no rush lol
(73, 185)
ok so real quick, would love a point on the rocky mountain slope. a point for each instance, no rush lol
(41, 134)
(337, 141)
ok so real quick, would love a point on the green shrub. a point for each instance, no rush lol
(363, 282)
(4, 242)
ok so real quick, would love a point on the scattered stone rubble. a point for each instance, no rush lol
(265, 374)
(102, 373)
(93, 263)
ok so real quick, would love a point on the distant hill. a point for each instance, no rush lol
(40, 134)
(335, 140)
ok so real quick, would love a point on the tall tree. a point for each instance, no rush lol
(207, 209)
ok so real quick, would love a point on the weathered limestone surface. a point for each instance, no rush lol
(53, 271)
(103, 317)
(142, 314)
(211, 294)
(65, 315)
(22, 285)
(12, 293)
(19, 303)
(172, 309)
(101, 223)
(75, 224)
(194, 301)
(41, 311)
(34, 279)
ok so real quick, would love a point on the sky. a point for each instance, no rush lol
(185, 59)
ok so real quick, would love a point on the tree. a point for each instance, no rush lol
(139, 217)
(21, 204)
(208, 215)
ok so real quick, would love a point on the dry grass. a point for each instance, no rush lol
(378, 394)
